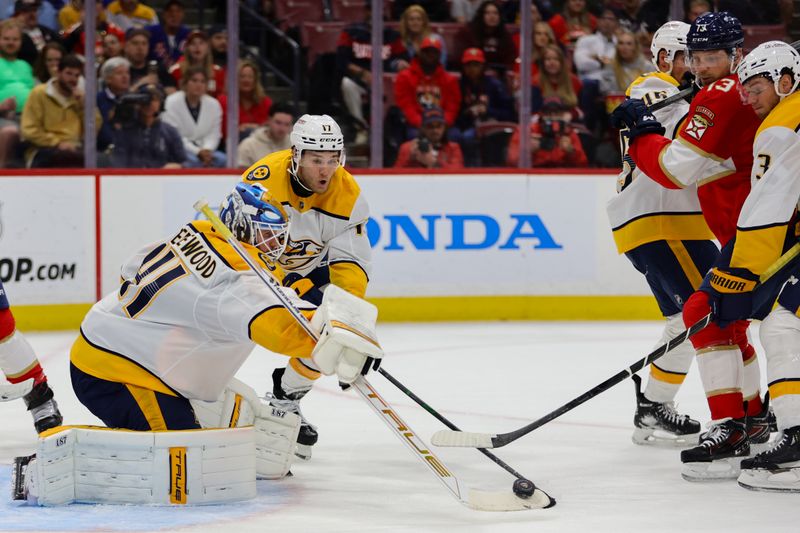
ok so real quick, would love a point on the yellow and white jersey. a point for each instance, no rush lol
(332, 224)
(644, 211)
(775, 180)
(186, 316)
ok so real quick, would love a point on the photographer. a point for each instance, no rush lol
(141, 139)
(554, 142)
(431, 149)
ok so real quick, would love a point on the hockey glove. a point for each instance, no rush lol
(636, 116)
(731, 294)
(304, 287)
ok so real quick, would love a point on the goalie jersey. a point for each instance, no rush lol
(644, 211)
(186, 316)
(765, 226)
(324, 228)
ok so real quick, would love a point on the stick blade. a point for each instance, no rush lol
(461, 439)
(482, 500)
(15, 390)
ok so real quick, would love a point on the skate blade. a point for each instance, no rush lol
(762, 480)
(719, 470)
(303, 452)
(663, 439)
(18, 473)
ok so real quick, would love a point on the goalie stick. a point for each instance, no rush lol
(472, 498)
(14, 391)
(463, 439)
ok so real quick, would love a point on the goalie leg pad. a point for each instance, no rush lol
(236, 407)
(276, 441)
(101, 465)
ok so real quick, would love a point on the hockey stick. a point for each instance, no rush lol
(680, 95)
(475, 499)
(522, 486)
(14, 391)
(488, 440)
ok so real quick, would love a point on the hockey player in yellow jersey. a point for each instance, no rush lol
(662, 232)
(186, 316)
(327, 237)
(767, 226)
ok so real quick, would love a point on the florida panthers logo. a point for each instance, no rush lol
(300, 254)
(698, 126)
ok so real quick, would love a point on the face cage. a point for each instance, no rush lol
(270, 238)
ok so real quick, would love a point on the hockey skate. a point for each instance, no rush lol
(776, 469)
(659, 424)
(758, 427)
(19, 481)
(43, 407)
(291, 402)
(719, 453)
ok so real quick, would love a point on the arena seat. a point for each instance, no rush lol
(349, 10)
(292, 13)
(320, 38)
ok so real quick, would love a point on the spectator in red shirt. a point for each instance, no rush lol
(426, 84)
(431, 149)
(572, 23)
(554, 142)
(254, 103)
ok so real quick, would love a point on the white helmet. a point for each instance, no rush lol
(670, 37)
(769, 60)
(316, 132)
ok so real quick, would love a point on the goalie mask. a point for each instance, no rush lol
(672, 38)
(771, 60)
(318, 133)
(255, 218)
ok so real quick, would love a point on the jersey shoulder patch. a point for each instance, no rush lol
(268, 166)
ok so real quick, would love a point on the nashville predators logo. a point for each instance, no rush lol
(697, 126)
(299, 254)
(259, 173)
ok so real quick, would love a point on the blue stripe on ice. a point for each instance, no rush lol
(19, 516)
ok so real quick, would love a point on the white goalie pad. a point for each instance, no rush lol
(346, 325)
(101, 465)
(276, 430)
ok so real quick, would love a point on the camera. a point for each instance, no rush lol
(424, 145)
(127, 109)
(551, 128)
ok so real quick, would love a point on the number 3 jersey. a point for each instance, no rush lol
(713, 149)
(765, 223)
(186, 316)
(644, 211)
(323, 227)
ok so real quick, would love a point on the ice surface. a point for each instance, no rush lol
(489, 377)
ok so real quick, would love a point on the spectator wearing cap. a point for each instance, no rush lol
(197, 53)
(52, 120)
(354, 63)
(146, 141)
(74, 38)
(415, 27)
(272, 137)
(116, 76)
(198, 118)
(129, 14)
(426, 84)
(554, 142)
(218, 44)
(487, 32)
(483, 99)
(34, 35)
(431, 149)
(168, 38)
(144, 72)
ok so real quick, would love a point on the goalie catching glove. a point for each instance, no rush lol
(730, 294)
(347, 344)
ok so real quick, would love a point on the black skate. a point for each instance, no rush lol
(758, 426)
(719, 453)
(776, 469)
(43, 407)
(291, 402)
(660, 424)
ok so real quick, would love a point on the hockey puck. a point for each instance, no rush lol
(524, 488)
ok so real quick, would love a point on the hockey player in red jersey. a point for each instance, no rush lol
(714, 150)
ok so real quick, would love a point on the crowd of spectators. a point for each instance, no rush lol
(453, 102)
